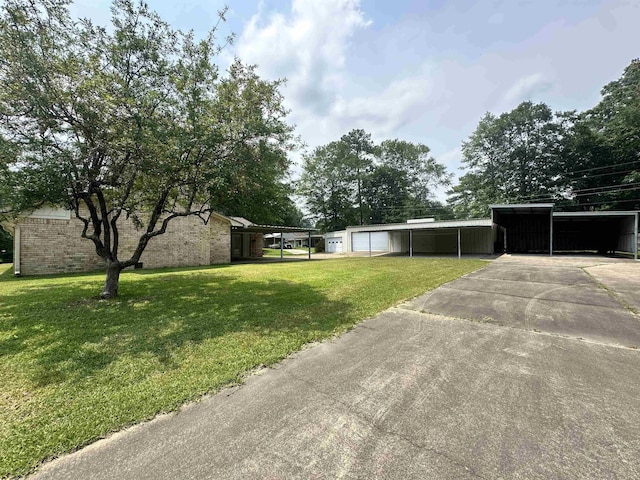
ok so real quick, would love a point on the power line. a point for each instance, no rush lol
(603, 167)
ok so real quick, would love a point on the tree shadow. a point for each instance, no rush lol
(67, 336)
(6, 273)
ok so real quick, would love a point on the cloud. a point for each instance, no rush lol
(451, 158)
(382, 112)
(308, 46)
(525, 87)
(311, 45)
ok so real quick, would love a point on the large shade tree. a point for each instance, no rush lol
(132, 121)
(580, 160)
(602, 161)
(510, 158)
(353, 181)
(327, 187)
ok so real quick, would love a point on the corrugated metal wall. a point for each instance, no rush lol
(529, 233)
(435, 241)
(627, 240)
(477, 240)
(591, 234)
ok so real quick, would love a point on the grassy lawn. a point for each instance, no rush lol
(74, 368)
(275, 252)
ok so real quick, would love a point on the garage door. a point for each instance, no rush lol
(334, 245)
(379, 241)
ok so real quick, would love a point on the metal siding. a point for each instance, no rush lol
(477, 240)
(627, 235)
(435, 241)
(587, 234)
(527, 233)
(395, 239)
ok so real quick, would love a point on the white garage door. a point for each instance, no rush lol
(379, 241)
(334, 245)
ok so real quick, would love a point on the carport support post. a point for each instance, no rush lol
(635, 238)
(281, 245)
(551, 233)
(410, 243)
(309, 243)
(459, 245)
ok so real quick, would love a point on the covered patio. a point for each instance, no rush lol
(247, 238)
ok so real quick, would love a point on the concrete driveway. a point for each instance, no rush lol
(521, 370)
(578, 297)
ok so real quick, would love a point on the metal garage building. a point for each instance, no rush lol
(417, 237)
(518, 228)
(537, 228)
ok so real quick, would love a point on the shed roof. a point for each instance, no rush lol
(482, 222)
(522, 207)
(253, 228)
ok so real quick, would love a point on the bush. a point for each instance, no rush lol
(320, 246)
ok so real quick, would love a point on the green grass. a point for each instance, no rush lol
(74, 368)
(274, 252)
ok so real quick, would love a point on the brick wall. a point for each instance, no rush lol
(256, 241)
(220, 242)
(55, 246)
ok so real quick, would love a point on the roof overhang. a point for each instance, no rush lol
(484, 222)
(601, 214)
(270, 229)
(522, 208)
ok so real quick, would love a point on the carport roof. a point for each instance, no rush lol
(521, 207)
(483, 222)
(618, 213)
(242, 225)
(269, 229)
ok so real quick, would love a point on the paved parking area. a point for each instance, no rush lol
(580, 297)
(413, 395)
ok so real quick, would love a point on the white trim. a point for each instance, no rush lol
(499, 206)
(612, 213)
(485, 222)
(16, 250)
(56, 213)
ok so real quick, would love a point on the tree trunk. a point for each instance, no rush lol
(110, 289)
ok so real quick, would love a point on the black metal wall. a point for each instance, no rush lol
(526, 233)
(593, 234)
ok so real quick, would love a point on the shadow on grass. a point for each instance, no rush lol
(68, 336)
(6, 272)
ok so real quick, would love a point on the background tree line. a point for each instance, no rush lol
(579, 160)
(353, 181)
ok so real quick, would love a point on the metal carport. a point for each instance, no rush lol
(537, 228)
(242, 229)
(455, 237)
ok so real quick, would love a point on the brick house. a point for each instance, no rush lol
(48, 241)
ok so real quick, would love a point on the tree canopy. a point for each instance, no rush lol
(579, 160)
(510, 158)
(353, 181)
(134, 121)
(602, 164)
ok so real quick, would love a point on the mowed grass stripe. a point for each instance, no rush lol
(73, 368)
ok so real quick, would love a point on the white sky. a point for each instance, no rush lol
(419, 70)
